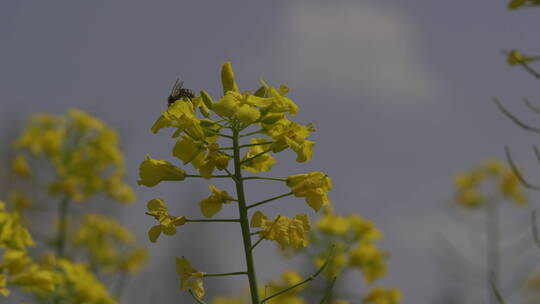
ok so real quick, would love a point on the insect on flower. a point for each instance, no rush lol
(178, 92)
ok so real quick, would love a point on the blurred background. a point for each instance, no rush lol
(400, 94)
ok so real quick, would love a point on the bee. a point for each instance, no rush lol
(178, 92)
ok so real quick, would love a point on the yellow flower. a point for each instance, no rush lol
(167, 223)
(77, 284)
(19, 201)
(227, 78)
(335, 266)
(333, 224)
(119, 190)
(364, 229)
(13, 234)
(516, 58)
(262, 162)
(3, 286)
(289, 134)
(214, 159)
(35, 278)
(190, 150)
(287, 232)
(213, 204)
(180, 115)
(20, 166)
(380, 295)
(190, 278)
(153, 171)
(369, 259)
(314, 186)
(511, 187)
(109, 244)
(288, 279)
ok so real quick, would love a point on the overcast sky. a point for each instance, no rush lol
(399, 91)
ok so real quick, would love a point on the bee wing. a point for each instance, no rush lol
(176, 87)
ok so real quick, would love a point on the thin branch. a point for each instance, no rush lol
(496, 291)
(516, 171)
(310, 278)
(232, 175)
(531, 106)
(328, 291)
(530, 70)
(255, 156)
(514, 118)
(248, 145)
(262, 237)
(537, 153)
(213, 176)
(267, 178)
(225, 274)
(269, 200)
(197, 299)
(255, 232)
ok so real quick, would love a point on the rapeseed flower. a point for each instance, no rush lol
(314, 186)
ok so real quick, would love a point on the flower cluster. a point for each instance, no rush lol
(287, 232)
(86, 160)
(83, 151)
(470, 190)
(109, 245)
(238, 132)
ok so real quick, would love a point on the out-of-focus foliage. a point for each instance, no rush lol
(68, 267)
(83, 152)
(516, 4)
(470, 185)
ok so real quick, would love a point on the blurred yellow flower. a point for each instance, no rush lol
(20, 166)
(369, 259)
(380, 295)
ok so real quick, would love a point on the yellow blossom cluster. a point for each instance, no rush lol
(109, 245)
(236, 134)
(380, 295)
(470, 185)
(515, 4)
(83, 151)
(353, 239)
(287, 232)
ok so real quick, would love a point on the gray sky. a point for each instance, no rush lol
(399, 91)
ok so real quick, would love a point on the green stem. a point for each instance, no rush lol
(328, 291)
(266, 178)
(225, 274)
(213, 176)
(269, 200)
(310, 278)
(196, 298)
(492, 249)
(248, 145)
(62, 227)
(244, 221)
